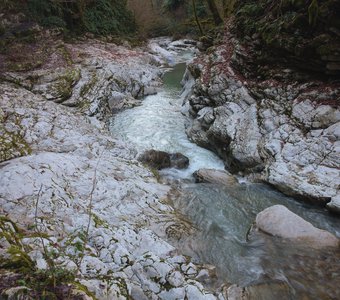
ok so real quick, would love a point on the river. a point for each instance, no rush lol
(223, 215)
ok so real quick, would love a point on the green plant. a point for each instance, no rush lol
(100, 17)
(313, 12)
(46, 12)
(49, 283)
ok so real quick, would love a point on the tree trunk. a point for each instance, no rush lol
(196, 17)
(225, 7)
(214, 11)
(228, 7)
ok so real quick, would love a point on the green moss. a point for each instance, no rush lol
(12, 145)
(84, 289)
(99, 222)
(66, 82)
(87, 87)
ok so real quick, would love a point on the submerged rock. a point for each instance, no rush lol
(263, 291)
(161, 160)
(279, 221)
(215, 176)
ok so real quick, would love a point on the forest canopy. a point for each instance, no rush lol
(122, 17)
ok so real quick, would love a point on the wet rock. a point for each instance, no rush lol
(161, 160)
(215, 176)
(279, 221)
(334, 204)
(272, 129)
(156, 159)
(179, 161)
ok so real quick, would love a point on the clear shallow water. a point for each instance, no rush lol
(222, 215)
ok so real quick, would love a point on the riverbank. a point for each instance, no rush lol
(272, 123)
(80, 216)
(222, 210)
(76, 205)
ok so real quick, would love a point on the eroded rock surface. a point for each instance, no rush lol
(70, 188)
(270, 126)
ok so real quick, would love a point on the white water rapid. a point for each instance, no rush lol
(159, 124)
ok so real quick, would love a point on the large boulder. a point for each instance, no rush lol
(161, 160)
(279, 221)
(215, 176)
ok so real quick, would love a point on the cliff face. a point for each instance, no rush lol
(258, 105)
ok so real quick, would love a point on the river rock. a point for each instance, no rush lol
(156, 159)
(215, 176)
(179, 161)
(279, 221)
(160, 160)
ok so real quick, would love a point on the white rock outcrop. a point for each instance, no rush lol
(287, 133)
(96, 206)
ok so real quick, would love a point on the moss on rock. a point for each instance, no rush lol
(12, 143)
(289, 32)
(65, 83)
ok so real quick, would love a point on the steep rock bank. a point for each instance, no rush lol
(71, 193)
(279, 124)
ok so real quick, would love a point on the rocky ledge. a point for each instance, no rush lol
(268, 122)
(80, 215)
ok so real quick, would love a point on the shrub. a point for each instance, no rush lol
(108, 17)
(99, 17)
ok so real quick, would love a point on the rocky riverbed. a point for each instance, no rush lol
(79, 207)
(71, 192)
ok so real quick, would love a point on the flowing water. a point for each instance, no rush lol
(158, 124)
(223, 215)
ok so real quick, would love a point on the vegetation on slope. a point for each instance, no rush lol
(300, 33)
